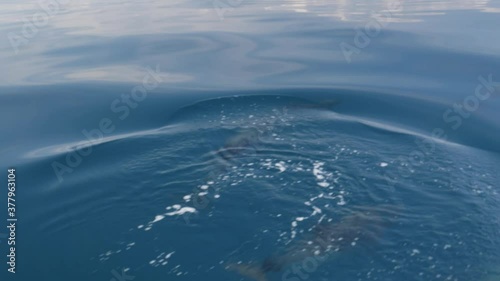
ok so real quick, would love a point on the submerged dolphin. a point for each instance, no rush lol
(363, 226)
(247, 138)
(238, 144)
(493, 275)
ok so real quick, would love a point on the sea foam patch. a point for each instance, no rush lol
(175, 209)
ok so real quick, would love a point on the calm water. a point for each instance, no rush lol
(252, 140)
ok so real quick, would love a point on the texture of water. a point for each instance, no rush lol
(231, 140)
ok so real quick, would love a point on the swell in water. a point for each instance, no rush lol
(164, 201)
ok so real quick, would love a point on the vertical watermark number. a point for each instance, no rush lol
(11, 220)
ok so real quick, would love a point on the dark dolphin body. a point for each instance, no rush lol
(493, 275)
(234, 147)
(326, 239)
(248, 138)
(238, 144)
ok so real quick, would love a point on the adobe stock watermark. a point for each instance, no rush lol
(122, 275)
(121, 108)
(463, 110)
(453, 117)
(47, 9)
(221, 7)
(370, 30)
(301, 271)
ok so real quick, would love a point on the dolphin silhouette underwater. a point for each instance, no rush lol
(247, 138)
(237, 145)
(493, 274)
(326, 239)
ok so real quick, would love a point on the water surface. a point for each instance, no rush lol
(176, 139)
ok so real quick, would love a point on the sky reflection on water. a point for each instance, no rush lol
(249, 44)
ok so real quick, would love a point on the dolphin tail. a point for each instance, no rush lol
(252, 271)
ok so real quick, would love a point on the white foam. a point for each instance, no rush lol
(167, 256)
(317, 170)
(341, 201)
(281, 166)
(316, 211)
(323, 184)
(182, 211)
(321, 219)
(293, 233)
(320, 174)
(157, 219)
(383, 164)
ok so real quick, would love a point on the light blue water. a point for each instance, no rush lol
(283, 140)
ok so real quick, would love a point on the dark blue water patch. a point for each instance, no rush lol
(167, 190)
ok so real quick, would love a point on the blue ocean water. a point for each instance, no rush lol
(251, 140)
